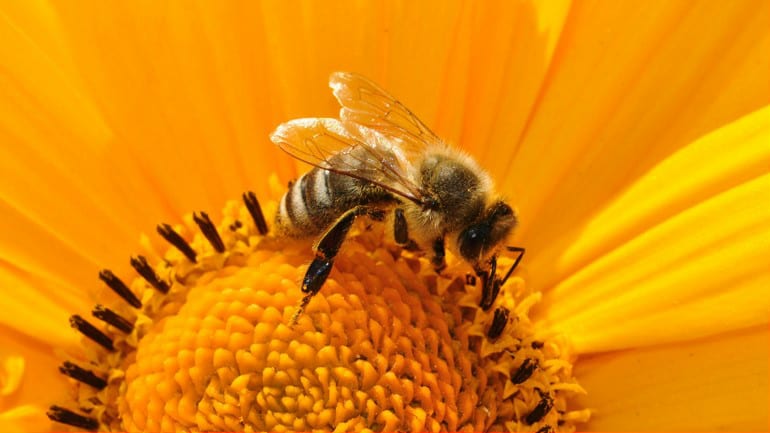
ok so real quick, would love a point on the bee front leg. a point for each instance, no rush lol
(490, 283)
(326, 250)
(439, 255)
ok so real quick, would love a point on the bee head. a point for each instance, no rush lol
(482, 237)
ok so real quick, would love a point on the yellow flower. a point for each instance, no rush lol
(633, 138)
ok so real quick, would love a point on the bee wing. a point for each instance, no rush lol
(352, 151)
(365, 103)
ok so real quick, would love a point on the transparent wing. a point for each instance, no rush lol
(365, 103)
(352, 151)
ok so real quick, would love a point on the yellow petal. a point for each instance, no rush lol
(37, 384)
(38, 314)
(699, 272)
(716, 384)
(24, 418)
(629, 85)
(181, 103)
(714, 163)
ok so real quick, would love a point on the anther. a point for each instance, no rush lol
(91, 332)
(82, 375)
(112, 318)
(470, 280)
(236, 225)
(537, 344)
(144, 269)
(545, 429)
(541, 410)
(119, 287)
(252, 204)
(209, 230)
(66, 416)
(174, 239)
(525, 371)
(498, 323)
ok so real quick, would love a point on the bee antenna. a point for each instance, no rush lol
(515, 263)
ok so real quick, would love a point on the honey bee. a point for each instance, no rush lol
(379, 160)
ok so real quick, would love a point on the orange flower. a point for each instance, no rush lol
(634, 139)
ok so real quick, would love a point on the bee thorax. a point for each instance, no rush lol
(457, 193)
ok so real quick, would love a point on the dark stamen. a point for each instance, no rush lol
(525, 371)
(112, 318)
(537, 344)
(209, 230)
(470, 280)
(66, 416)
(174, 239)
(82, 375)
(541, 410)
(91, 332)
(498, 323)
(236, 225)
(545, 429)
(145, 270)
(120, 288)
(252, 204)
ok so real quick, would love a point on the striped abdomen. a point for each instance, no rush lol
(319, 197)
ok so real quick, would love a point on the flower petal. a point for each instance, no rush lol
(716, 384)
(630, 85)
(38, 314)
(447, 61)
(23, 419)
(37, 384)
(181, 103)
(700, 272)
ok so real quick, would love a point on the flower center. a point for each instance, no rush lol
(204, 341)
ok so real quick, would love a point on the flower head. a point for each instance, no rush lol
(631, 138)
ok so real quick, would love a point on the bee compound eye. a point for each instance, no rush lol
(472, 240)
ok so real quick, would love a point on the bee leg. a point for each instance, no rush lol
(400, 230)
(490, 284)
(329, 245)
(326, 250)
(439, 255)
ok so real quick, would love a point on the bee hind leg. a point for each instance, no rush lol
(326, 250)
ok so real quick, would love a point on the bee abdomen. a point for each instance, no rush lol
(304, 209)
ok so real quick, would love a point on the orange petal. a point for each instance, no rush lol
(629, 85)
(38, 383)
(708, 255)
(716, 384)
(37, 313)
(23, 419)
